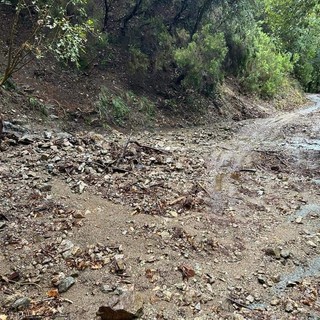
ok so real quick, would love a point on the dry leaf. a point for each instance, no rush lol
(187, 272)
(15, 276)
(3, 317)
(53, 293)
(149, 273)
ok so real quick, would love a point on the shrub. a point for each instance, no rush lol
(266, 70)
(121, 107)
(138, 61)
(112, 107)
(201, 61)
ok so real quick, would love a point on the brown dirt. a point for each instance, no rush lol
(241, 240)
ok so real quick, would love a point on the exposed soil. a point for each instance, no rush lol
(215, 222)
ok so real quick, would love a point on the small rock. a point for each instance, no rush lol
(53, 117)
(299, 220)
(275, 252)
(27, 139)
(80, 149)
(45, 187)
(50, 167)
(198, 306)
(164, 234)
(173, 214)
(311, 244)
(65, 245)
(285, 254)
(274, 302)
(167, 295)
(106, 288)
(179, 166)
(45, 156)
(250, 298)
(57, 278)
(63, 135)
(261, 279)
(66, 284)
(289, 307)
(47, 135)
(181, 286)
(78, 214)
(119, 263)
(81, 186)
(21, 303)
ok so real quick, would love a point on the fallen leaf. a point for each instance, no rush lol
(150, 273)
(3, 317)
(15, 276)
(53, 293)
(107, 313)
(96, 266)
(187, 272)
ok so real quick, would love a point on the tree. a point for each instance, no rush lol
(60, 27)
(202, 60)
(297, 25)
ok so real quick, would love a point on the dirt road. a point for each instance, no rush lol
(219, 222)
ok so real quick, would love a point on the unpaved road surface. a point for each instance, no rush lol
(220, 222)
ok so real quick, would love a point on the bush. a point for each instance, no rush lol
(111, 107)
(122, 107)
(139, 61)
(307, 45)
(266, 70)
(201, 61)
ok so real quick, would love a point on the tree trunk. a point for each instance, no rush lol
(106, 16)
(129, 16)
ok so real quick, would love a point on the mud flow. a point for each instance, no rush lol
(214, 222)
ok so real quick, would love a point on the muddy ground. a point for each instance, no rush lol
(215, 222)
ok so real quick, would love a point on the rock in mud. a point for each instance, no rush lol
(311, 244)
(273, 252)
(66, 284)
(285, 254)
(274, 302)
(21, 303)
(262, 279)
(105, 288)
(289, 307)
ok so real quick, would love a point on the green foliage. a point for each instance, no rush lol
(37, 105)
(71, 41)
(138, 61)
(192, 45)
(307, 47)
(97, 50)
(202, 60)
(51, 30)
(111, 107)
(120, 107)
(297, 24)
(267, 69)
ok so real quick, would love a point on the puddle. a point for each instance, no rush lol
(315, 98)
(306, 144)
(313, 267)
(305, 211)
(311, 109)
(258, 306)
(300, 273)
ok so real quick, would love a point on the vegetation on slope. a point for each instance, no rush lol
(178, 46)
